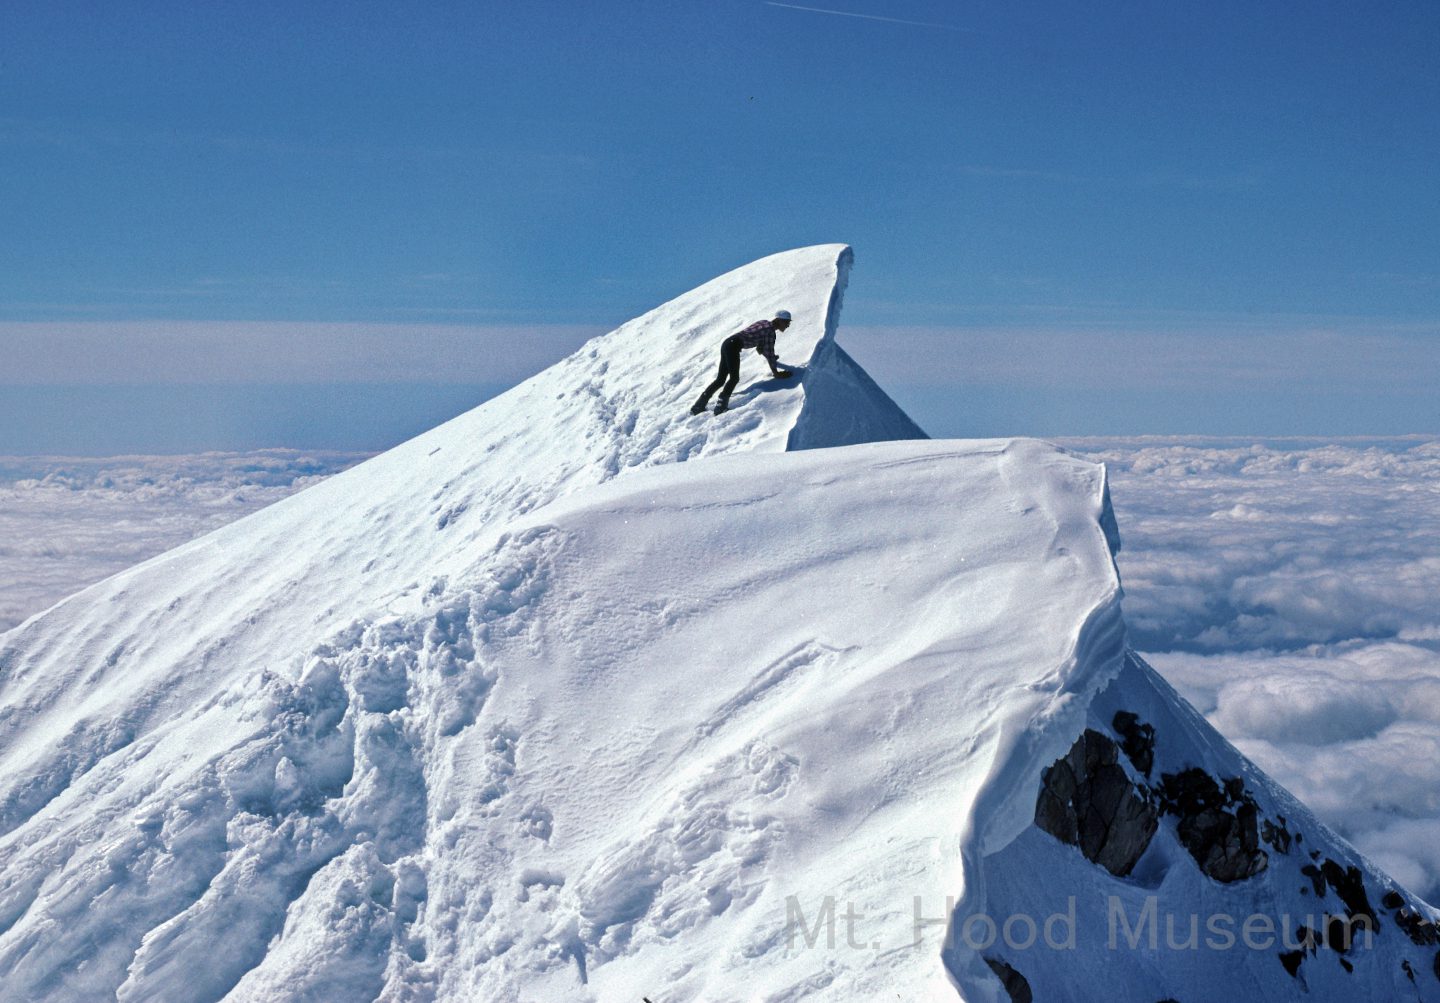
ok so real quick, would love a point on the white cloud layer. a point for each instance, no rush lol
(1352, 729)
(1239, 546)
(66, 523)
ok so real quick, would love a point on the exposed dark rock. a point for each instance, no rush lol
(1316, 878)
(1405, 967)
(1341, 931)
(1420, 930)
(1055, 807)
(1349, 884)
(1291, 960)
(1138, 740)
(1346, 965)
(1307, 938)
(1015, 984)
(1276, 834)
(1436, 965)
(1219, 826)
(1088, 800)
(1191, 792)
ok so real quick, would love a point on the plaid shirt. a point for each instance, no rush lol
(761, 337)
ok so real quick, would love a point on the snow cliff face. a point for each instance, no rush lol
(534, 708)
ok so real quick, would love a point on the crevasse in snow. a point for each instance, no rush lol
(535, 708)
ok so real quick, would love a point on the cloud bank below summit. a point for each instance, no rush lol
(1241, 546)
(68, 522)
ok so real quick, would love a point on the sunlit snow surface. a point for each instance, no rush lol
(1288, 588)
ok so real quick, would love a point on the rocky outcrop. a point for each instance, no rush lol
(1349, 884)
(1088, 800)
(1137, 740)
(1291, 960)
(1016, 986)
(1122, 785)
(1219, 825)
(1422, 932)
(1277, 834)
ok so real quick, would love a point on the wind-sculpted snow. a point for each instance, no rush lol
(601, 761)
(251, 595)
(189, 745)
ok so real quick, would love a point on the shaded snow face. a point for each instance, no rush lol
(1290, 594)
(1248, 895)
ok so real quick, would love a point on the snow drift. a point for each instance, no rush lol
(537, 707)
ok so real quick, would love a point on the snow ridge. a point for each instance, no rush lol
(1043, 728)
(202, 738)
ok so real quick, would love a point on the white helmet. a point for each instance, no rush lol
(782, 315)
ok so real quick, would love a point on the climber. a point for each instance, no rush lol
(759, 336)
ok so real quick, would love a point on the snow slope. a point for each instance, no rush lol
(382, 533)
(660, 707)
(530, 709)
(153, 657)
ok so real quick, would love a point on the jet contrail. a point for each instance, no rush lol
(867, 17)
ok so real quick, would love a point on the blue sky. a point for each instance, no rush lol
(1228, 210)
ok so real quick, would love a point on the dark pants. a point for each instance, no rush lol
(728, 375)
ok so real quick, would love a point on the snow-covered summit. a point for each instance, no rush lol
(534, 708)
(174, 653)
(382, 533)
